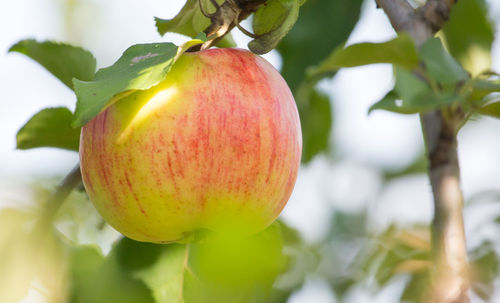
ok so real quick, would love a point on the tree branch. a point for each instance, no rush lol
(450, 273)
(69, 183)
(450, 276)
(420, 24)
(436, 12)
(405, 19)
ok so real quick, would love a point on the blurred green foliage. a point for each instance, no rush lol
(81, 259)
(95, 279)
(469, 35)
(322, 26)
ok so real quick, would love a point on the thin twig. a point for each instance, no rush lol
(203, 11)
(215, 4)
(243, 30)
(69, 183)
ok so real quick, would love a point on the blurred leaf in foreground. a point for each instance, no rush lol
(218, 268)
(98, 279)
(31, 257)
(315, 119)
(469, 34)
(232, 268)
(321, 27)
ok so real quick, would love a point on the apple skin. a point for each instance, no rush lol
(216, 145)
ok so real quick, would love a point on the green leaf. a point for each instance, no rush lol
(485, 87)
(481, 90)
(399, 252)
(406, 89)
(271, 22)
(226, 42)
(190, 22)
(469, 34)
(51, 127)
(423, 102)
(133, 255)
(346, 225)
(201, 36)
(166, 277)
(412, 95)
(407, 85)
(485, 266)
(440, 65)
(302, 261)
(492, 110)
(389, 102)
(316, 121)
(345, 233)
(79, 223)
(413, 291)
(395, 251)
(322, 26)
(140, 67)
(62, 60)
(98, 279)
(401, 51)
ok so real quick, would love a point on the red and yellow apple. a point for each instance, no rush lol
(216, 145)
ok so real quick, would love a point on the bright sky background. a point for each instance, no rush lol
(365, 143)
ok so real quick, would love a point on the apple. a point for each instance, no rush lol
(216, 145)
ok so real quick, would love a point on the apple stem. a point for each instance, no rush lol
(225, 18)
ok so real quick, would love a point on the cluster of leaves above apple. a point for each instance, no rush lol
(436, 75)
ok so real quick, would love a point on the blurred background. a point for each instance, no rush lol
(370, 185)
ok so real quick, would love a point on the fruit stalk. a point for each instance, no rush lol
(226, 17)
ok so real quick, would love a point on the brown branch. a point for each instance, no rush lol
(450, 273)
(436, 12)
(420, 24)
(450, 276)
(405, 19)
